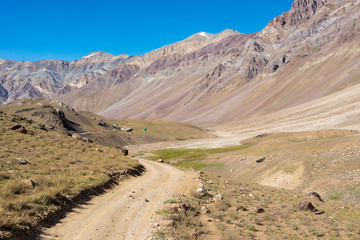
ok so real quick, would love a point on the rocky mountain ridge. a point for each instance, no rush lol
(304, 54)
(48, 78)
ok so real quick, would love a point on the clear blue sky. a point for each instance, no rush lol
(70, 29)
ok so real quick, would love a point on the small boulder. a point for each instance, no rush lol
(18, 128)
(307, 206)
(22, 161)
(260, 160)
(15, 127)
(238, 208)
(30, 183)
(183, 206)
(259, 210)
(21, 130)
(102, 123)
(81, 138)
(76, 136)
(219, 196)
(123, 150)
(160, 160)
(205, 210)
(201, 190)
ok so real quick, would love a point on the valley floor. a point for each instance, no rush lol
(134, 209)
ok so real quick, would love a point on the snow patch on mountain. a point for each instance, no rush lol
(204, 34)
(90, 55)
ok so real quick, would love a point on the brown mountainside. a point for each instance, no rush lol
(306, 53)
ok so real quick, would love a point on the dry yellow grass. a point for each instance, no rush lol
(326, 162)
(60, 166)
(236, 215)
(45, 112)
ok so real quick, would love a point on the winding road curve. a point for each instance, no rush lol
(123, 212)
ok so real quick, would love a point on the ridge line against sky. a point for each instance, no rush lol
(70, 29)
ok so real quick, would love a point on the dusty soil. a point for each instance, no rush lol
(129, 210)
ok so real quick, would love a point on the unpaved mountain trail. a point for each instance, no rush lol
(128, 211)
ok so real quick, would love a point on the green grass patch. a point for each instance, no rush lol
(187, 158)
(174, 153)
(170, 201)
(180, 139)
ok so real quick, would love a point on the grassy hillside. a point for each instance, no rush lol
(43, 170)
(60, 117)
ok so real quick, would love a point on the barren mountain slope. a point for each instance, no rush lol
(290, 62)
(306, 53)
(137, 73)
(49, 78)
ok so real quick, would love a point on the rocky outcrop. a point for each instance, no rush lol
(301, 11)
(4, 94)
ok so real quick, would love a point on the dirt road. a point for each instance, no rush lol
(129, 210)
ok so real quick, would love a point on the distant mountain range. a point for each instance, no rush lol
(307, 53)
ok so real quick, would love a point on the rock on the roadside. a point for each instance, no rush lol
(183, 206)
(201, 190)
